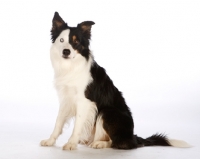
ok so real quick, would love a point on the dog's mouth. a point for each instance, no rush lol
(65, 57)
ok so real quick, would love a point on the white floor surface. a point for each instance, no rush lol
(19, 139)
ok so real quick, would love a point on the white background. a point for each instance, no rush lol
(150, 48)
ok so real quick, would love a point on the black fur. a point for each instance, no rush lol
(156, 139)
(116, 115)
(117, 119)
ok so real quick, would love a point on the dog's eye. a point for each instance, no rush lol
(61, 40)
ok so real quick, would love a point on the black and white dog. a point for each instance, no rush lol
(85, 91)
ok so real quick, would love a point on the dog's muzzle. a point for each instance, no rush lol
(66, 53)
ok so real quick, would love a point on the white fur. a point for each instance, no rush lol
(178, 143)
(72, 75)
(101, 139)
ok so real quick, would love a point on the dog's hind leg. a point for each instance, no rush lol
(119, 126)
(114, 129)
(101, 139)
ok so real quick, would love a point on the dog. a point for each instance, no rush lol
(86, 92)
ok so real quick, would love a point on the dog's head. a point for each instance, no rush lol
(71, 41)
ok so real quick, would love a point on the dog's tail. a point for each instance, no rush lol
(160, 140)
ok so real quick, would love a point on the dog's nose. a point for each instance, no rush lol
(66, 52)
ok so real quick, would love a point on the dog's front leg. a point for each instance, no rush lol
(61, 118)
(82, 111)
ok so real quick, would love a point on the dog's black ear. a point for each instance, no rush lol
(58, 25)
(85, 27)
(57, 21)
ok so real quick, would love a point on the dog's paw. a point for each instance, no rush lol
(69, 146)
(48, 142)
(100, 144)
(82, 142)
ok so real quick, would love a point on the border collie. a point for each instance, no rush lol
(85, 91)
